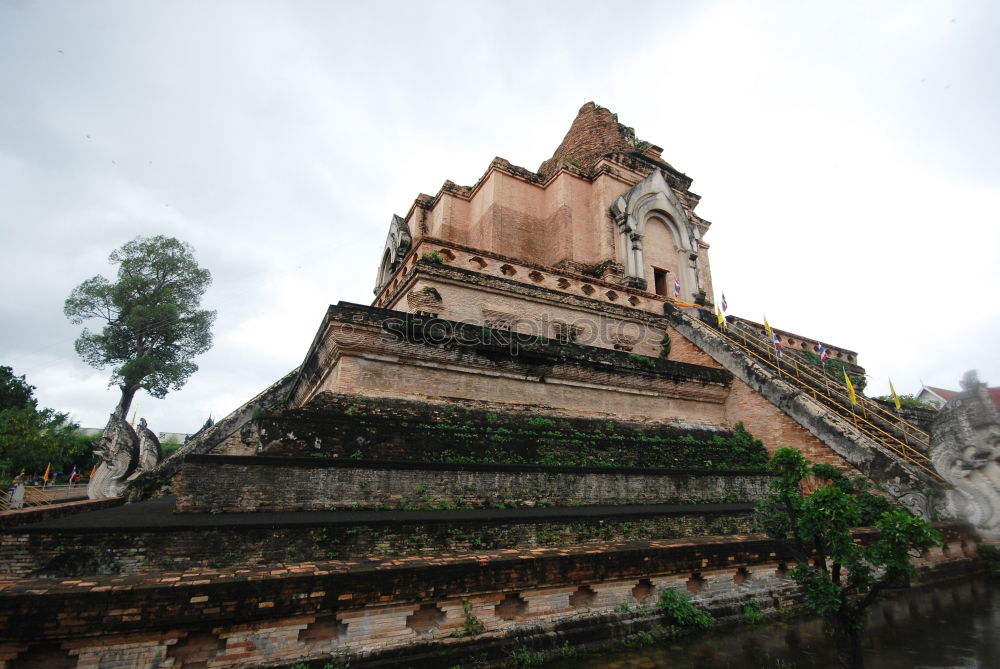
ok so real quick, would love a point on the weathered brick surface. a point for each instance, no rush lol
(37, 514)
(594, 133)
(356, 427)
(393, 354)
(285, 484)
(61, 553)
(359, 609)
(540, 299)
(775, 429)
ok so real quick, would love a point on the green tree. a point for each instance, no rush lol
(835, 370)
(152, 324)
(15, 392)
(31, 438)
(907, 401)
(841, 578)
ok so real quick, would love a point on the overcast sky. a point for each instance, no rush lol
(848, 155)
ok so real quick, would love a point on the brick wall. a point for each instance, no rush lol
(595, 132)
(356, 427)
(75, 554)
(372, 611)
(358, 350)
(37, 514)
(775, 429)
(285, 484)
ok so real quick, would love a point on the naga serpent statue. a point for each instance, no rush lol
(150, 452)
(965, 450)
(118, 452)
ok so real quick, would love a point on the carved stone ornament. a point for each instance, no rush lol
(650, 197)
(118, 450)
(150, 452)
(917, 502)
(965, 450)
(397, 245)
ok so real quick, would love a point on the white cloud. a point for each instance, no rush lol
(847, 156)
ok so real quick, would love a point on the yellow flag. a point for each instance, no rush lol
(850, 388)
(722, 320)
(45, 476)
(895, 397)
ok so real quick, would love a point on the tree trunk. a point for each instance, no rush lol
(845, 631)
(125, 402)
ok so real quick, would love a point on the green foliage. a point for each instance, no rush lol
(32, 438)
(523, 657)
(835, 369)
(665, 346)
(752, 613)
(169, 448)
(640, 144)
(642, 360)
(840, 577)
(907, 401)
(540, 421)
(432, 257)
(471, 626)
(991, 554)
(15, 391)
(678, 606)
(152, 327)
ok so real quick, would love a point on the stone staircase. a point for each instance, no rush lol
(882, 446)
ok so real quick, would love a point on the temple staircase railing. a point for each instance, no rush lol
(902, 438)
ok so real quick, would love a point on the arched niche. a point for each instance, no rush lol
(651, 207)
(397, 245)
(660, 244)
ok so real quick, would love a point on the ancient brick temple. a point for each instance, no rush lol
(538, 425)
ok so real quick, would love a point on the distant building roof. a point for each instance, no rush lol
(943, 394)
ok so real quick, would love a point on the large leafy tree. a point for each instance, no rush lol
(31, 437)
(152, 324)
(841, 578)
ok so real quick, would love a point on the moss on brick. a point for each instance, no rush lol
(343, 426)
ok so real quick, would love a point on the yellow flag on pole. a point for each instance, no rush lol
(850, 388)
(45, 476)
(767, 329)
(895, 397)
(722, 319)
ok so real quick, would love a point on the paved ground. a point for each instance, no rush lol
(159, 514)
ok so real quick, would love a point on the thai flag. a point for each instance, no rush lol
(777, 345)
(677, 289)
(724, 304)
(823, 355)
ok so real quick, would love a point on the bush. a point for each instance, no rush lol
(836, 369)
(169, 448)
(432, 257)
(752, 613)
(678, 606)
(905, 401)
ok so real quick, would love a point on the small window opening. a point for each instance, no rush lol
(660, 281)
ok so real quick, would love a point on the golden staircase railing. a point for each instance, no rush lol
(904, 439)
